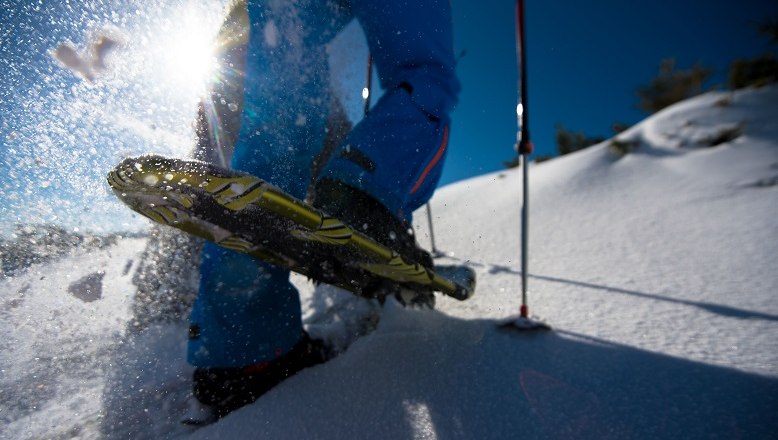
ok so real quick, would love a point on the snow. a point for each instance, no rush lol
(656, 270)
(270, 31)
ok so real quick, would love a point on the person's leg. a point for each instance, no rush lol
(396, 153)
(247, 311)
(286, 90)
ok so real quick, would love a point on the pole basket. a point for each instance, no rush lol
(523, 324)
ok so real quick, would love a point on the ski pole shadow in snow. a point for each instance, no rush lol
(731, 312)
(728, 311)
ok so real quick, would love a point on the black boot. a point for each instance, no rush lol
(364, 213)
(367, 215)
(227, 389)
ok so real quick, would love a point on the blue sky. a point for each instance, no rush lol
(585, 61)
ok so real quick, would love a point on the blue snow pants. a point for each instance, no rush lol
(247, 311)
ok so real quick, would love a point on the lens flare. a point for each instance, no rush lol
(188, 54)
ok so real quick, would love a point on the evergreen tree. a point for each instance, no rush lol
(756, 72)
(568, 142)
(672, 86)
(760, 70)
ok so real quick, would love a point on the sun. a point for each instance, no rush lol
(188, 54)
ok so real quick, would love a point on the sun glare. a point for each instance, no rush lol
(189, 55)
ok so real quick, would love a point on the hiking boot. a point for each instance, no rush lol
(367, 215)
(227, 389)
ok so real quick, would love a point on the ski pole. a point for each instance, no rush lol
(435, 252)
(524, 148)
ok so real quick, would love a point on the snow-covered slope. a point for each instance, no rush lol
(655, 268)
(60, 323)
(629, 247)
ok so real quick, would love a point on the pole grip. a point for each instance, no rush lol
(525, 144)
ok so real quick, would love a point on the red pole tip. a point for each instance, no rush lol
(524, 311)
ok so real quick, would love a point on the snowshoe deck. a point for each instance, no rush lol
(246, 214)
